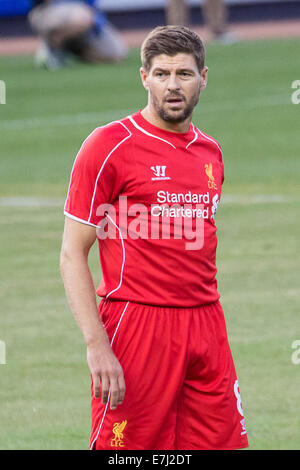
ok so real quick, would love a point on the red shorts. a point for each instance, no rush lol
(181, 386)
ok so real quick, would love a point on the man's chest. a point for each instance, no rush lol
(168, 175)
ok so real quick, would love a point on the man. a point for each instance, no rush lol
(148, 187)
(74, 27)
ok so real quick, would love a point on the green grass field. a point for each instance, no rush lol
(45, 383)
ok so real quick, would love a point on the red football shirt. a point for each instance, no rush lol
(152, 194)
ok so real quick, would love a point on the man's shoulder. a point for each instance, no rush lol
(209, 139)
(213, 144)
(108, 137)
(113, 130)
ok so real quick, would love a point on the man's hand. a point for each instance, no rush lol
(106, 369)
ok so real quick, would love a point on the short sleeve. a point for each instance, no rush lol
(97, 175)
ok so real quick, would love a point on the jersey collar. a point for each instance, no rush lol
(175, 139)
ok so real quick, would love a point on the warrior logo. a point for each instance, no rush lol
(160, 173)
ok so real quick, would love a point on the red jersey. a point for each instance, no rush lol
(152, 195)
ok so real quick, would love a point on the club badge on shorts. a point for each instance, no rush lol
(118, 429)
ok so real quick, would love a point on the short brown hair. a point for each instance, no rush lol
(171, 40)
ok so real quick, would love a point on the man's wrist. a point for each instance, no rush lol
(96, 337)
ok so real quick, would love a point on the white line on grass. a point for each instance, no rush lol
(103, 117)
(257, 199)
(31, 202)
(62, 120)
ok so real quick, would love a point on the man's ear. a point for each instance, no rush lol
(203, 74)
(144, 78)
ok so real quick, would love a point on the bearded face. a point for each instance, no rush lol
(174, 84)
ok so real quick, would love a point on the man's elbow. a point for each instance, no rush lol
(64, 261)
(71, 258)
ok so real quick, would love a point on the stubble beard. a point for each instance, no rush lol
(175, 116)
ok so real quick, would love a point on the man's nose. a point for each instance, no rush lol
(173, 82)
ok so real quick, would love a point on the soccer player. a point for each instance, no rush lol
(147, 188)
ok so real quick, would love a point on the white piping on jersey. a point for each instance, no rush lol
(195, 138)
(103, 164)
(123, 262)
(120, 122)
(209, 138)
(100, 127)
(104, 414)
(148, 133)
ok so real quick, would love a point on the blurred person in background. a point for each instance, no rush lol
(73, 27)
(177, 12)
(215, 15)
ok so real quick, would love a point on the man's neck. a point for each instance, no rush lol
(154, 119)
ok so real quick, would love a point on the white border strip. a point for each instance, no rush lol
(104, 414)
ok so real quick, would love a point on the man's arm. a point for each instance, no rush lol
(78, 239)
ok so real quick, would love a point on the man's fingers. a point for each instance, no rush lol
(122, 388)
(113, 389)
(114, 393)
(96, 386)
(107, 375)
(110, 387)
(105, 389)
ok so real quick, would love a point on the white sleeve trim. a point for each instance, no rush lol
(79, 220)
